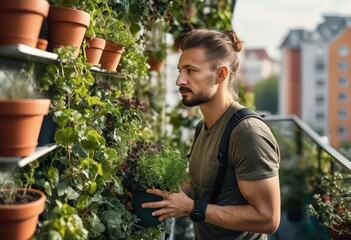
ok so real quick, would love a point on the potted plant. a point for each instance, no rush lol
(19, 207)
(153, 167)
(21, 115)
(21, 21)
(117, 35)
(94, 42)
(332, 205)
(67, 24)
(156, 45)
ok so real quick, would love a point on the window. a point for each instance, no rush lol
(320, 82)
(320, 99)
(342, 114)
(342, 82)
(319, 66)
(343, 66)
(343, 51)
(342, 97)
(320, 115)
(342, 132)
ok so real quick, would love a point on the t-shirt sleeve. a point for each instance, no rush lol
(255, 154)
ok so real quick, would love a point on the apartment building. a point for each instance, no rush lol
(314, 83)
(257, 65)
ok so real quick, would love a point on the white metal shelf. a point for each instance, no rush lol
(22, 161)
(26, 53)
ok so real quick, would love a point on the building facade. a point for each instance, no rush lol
(257, 65)
(314, 81)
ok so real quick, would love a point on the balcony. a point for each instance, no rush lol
(305, 159)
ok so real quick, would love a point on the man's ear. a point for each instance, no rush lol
(222, 73)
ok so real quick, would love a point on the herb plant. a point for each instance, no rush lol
(161, 167)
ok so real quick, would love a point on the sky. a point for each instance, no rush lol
(265, 23)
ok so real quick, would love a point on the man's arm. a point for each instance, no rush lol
(262, 214)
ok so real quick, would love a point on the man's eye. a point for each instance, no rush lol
(188, 70)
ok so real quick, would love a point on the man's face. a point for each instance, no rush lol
(196, 80)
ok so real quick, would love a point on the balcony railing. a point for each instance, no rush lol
(305, 157)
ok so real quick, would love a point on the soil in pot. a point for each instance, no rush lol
(19, 221)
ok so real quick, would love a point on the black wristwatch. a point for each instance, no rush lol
(198, 213)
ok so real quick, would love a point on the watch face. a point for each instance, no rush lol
(197, 216)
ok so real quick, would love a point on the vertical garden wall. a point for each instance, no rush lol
(105, 114)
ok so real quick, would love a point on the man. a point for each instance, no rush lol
(248, 206)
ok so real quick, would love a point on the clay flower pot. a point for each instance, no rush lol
(20, 123)
(66, 26)
(19, 221)
(94, 50)
(42, 44)
(21, 21)
(111, 56)
(155, 65)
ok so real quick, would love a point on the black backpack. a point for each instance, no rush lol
(223, 147)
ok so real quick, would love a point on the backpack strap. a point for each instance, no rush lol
(223, 148)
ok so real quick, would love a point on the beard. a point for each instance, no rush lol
(196, 101)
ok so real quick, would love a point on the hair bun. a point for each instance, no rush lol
(237, 43)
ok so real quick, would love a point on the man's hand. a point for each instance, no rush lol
(173, 205)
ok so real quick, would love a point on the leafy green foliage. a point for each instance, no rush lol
(163, 168)
(332, 206)
(63, 223)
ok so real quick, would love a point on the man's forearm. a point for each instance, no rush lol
(241, 218)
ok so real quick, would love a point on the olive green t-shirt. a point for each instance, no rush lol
(253, 155)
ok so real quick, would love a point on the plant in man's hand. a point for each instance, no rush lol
(160, 167)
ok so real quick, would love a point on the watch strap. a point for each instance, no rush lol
(198, 214)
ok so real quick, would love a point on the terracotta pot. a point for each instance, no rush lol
(18, 222)
(144, 214)
(21, 21)
(111, 56)
(20, 123)
(94, 50)
(42, 44)
(155, 65)
(66, 26)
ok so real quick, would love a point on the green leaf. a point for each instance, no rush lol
(78, 150)
(94, 101)
(92, 187)
(54, 176)
(54, 235)
(61, 188)
(112, 155)
(93, 141)
(65, 136)
(83, 202)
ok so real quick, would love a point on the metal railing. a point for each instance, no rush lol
(321, 144)
(305, 155)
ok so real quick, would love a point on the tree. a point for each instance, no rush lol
(266, 95)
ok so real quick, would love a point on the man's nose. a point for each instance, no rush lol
(181, 80)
